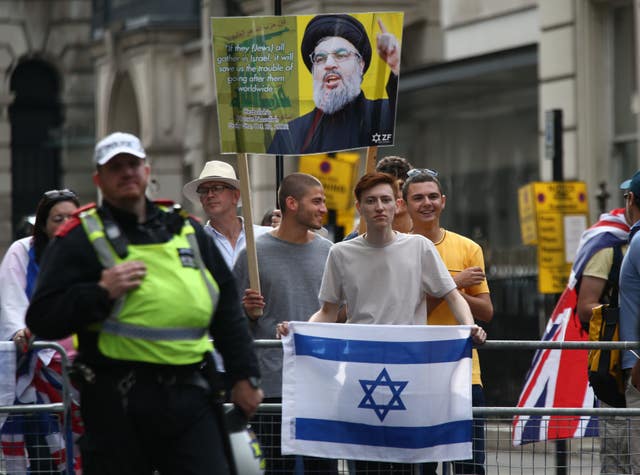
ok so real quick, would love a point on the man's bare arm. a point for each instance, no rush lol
(462, 312)
(459, 307)
(328, 313)
(480, 305)
(589, 294)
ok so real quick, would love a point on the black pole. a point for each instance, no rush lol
(554, 142)
(277, 8)
(554, 150)
(279, 175)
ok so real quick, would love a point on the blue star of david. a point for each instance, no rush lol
(394, 404)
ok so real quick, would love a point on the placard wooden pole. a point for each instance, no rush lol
(252, 255)
(277, 10)
(369, 167)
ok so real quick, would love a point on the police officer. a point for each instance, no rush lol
(143, 287)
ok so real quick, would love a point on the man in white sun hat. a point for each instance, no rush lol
(218, 191)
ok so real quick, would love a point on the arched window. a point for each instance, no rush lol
(36, 118)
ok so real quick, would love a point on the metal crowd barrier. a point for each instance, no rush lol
(571, 456)
(559, 457)
(42, 456)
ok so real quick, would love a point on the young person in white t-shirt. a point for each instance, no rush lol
(384, 276)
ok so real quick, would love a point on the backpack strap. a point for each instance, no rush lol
(612, 286)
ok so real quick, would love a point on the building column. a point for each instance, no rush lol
(557, 74)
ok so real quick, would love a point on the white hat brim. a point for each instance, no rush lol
(121, 150)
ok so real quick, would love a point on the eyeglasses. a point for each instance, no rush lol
(340, 55)
(205, 190)
(422, 171)
(53, 194)
(626, 195)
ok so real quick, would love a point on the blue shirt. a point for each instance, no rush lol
(229, 253)
(630, 296)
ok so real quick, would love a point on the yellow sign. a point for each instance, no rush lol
(527, 209)
(567, 197)
(337, 175)
(553, 280)
(345, 218)
(545, 210)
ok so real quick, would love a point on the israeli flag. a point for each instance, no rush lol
(390, 393)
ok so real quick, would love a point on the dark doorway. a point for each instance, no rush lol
(36, 118)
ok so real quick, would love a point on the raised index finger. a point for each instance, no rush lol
(381, 25)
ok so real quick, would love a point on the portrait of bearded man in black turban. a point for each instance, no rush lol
(337, 52)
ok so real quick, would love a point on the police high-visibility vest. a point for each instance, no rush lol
(166, 319)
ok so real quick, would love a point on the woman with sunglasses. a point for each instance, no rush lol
(18, 272)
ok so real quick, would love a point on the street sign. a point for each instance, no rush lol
(527, 210)
(553, 215)
(337, 175)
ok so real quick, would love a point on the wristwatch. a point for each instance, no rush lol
(254, 382)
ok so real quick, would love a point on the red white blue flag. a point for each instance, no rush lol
(392, 393)
(555, 378)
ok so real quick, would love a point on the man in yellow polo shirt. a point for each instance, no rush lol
(425, 200)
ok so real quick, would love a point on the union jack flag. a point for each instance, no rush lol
(39, 381)
(558, 378)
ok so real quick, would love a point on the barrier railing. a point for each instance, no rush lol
(581, 455)
(588, 455)
(62, 408)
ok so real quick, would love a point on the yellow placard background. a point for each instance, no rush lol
(375, 79)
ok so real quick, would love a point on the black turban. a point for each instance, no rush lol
(345, 26)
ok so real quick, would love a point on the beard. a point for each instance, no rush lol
(331, 101)
(308, 220)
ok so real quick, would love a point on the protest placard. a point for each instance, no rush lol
(295, 85)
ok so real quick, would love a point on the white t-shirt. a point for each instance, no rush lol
(13, 280)
(385, 284)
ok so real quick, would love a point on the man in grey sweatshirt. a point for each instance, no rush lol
(291, 261)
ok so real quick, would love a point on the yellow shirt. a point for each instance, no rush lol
(458, 253)
(600, 263)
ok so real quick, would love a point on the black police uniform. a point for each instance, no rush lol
(139, 417)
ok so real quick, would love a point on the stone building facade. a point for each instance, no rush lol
(477, 79)
(47, 110)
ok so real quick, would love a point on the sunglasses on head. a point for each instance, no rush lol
(53, 194)
(422, 171)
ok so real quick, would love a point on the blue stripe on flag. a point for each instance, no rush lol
(383, 436)
(383, 352)
(592, 427)
(533, 427)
